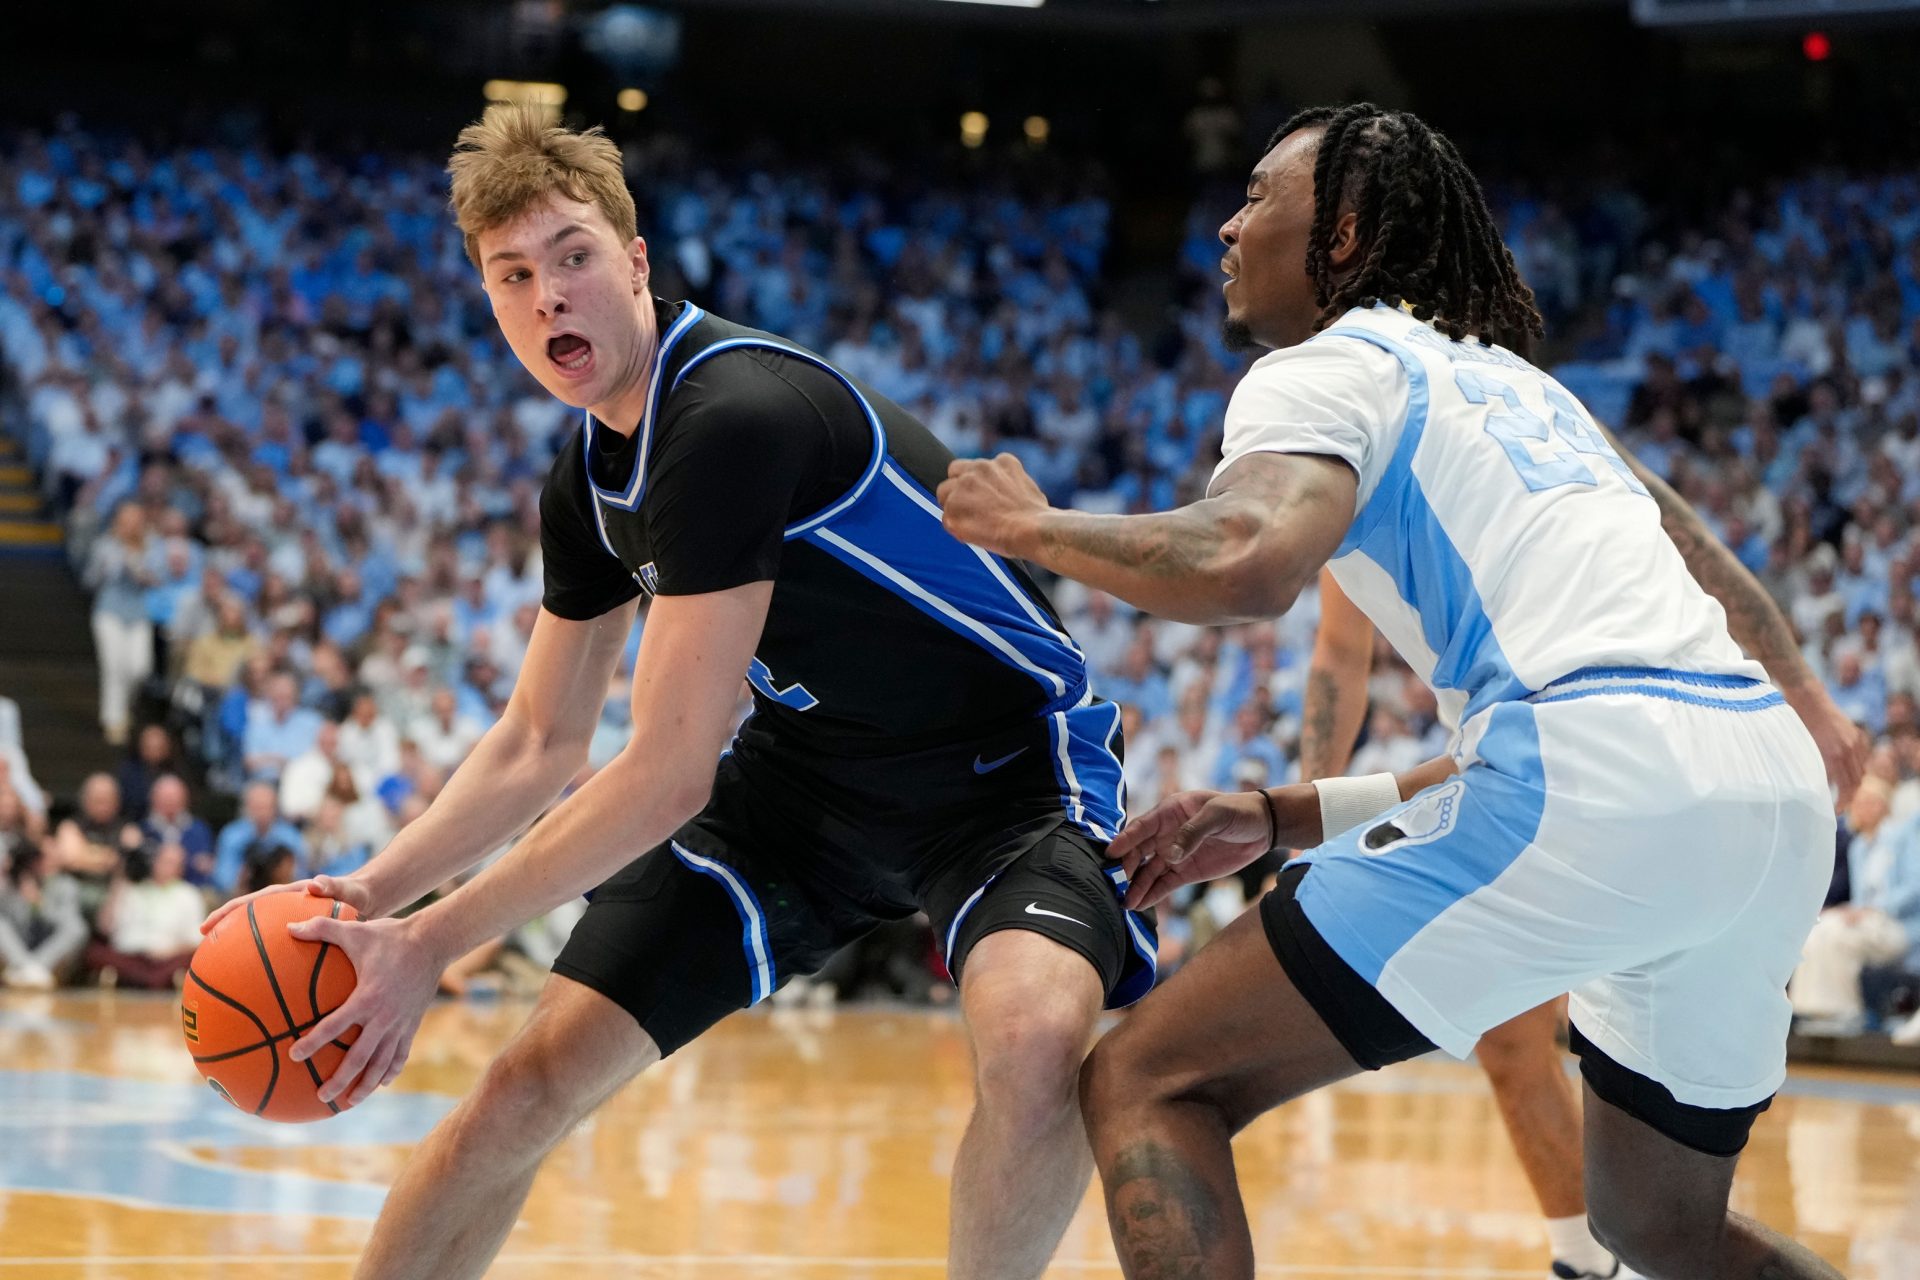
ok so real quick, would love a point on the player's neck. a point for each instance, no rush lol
(623, 410)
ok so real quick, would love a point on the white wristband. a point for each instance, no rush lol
(1348, 802)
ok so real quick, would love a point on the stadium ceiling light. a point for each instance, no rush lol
(1010, 4)
(632, 99)
(973, 129)
(536, 92)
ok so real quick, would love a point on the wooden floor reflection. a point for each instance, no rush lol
(806, 1145)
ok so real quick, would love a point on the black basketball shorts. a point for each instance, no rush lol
(785, 866)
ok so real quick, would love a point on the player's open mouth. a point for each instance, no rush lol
(570, 353)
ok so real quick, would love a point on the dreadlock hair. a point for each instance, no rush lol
(1427, 238)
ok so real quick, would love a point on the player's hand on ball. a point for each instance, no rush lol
(992, 503)
(1195, 836)
(342, 888)
(395, 976)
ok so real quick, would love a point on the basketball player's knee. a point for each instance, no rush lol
(531, 1088)
(1028, 1064)
(1647, 1238)
(1114, 1079)
(1511, 1055)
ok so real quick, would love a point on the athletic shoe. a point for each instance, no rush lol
(1566, 1271)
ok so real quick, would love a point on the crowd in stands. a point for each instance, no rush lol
(300, 474)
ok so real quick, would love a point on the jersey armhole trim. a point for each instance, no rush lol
(867, 474)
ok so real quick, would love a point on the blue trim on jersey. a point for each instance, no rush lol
(1367, 906)
(1660, 682)
(893, 536)
(872, 468)
(629, 498)
(1092, 781)
(1667, 692)
(959, 917)
(754, 942)
(1701, 679)
(1132, 987)
(1400, 532)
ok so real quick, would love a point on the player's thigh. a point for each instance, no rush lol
(1547, 863)
(1649, 1194)
(1708, 1022)
(1062, 902)
(1229, 1030)
(705, 924)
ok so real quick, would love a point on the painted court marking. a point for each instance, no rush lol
(735, 1260)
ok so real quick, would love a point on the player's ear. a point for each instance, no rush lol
(637, 259)
(1344, 252)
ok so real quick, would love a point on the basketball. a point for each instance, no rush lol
(251, 991)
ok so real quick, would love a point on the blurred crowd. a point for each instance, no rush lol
(299, 472)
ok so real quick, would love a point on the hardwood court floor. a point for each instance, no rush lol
(802, 1146)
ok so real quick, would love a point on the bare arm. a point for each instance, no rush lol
(1202, 835)
(1241, 554)
(1336, 700)
(692, 658)
(513, 773)
(519, 765)
(1759, 627)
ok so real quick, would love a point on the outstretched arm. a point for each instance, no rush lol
(1760, 628)
(693, 656)
(515, 771)
(1202, 835)
(1239, 555)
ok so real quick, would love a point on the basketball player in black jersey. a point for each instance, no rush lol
(923, 738)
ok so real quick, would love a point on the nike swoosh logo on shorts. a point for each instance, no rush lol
(988, 766)
(1035, 909)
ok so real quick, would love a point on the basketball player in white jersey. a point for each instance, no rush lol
(1629, 812)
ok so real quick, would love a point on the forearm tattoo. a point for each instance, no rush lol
(1260, 493)
(1163, 1215)
(1318, 725)
(1172, 545)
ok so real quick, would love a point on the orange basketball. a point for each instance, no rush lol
(251, 991)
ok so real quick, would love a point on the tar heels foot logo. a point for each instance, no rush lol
(1428, 817)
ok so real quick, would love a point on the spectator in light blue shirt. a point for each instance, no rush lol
(473, 612)
(1247, 740)
(259, 828)
(1138, 683)
(1860, 693)
(352, 613)
(176, 578)
(278, 728)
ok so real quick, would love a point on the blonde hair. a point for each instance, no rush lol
(514, 156)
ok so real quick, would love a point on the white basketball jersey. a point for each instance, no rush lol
(1498, 541)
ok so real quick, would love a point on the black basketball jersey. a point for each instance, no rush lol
(756, 459)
